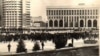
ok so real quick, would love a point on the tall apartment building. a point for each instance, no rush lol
(26, 14)
(15, 13)
(0, 11)
(72, 17)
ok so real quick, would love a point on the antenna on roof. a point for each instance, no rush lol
(81, 4)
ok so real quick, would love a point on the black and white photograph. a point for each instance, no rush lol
(49, 27)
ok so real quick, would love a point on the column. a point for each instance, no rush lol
(68, 22)
(74, 19)
(92, 22)
(79, 22)
(63, 21)
(53, 23)
(48, 23)
(84, 23)
(58, 22)
(87, 23)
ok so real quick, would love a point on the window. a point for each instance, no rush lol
(89, 23)
(59, 12)
(82, 12)
(51, 12)
(61, 23)
(88, 12)
(69, 12)
(77, 12)
(55, 23)
(72, 12)
(51, 23)
(66, 22)
(71, 22)
(96, 12)
(64, 12)
(81, 23)
(95, 23)
(54, 12)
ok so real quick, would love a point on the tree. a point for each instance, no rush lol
(21, 46)
(36, 47)
(59, 40)
(73, 36)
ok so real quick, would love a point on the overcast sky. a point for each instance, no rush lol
(38, 7)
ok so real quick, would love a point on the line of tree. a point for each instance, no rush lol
(45, 36)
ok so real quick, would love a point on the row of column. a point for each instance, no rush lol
(80, 22)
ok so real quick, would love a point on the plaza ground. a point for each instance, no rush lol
(29, 45)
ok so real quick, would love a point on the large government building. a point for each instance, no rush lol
(72, 17)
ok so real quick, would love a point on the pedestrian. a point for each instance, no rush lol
(42, 43)
(9, 47)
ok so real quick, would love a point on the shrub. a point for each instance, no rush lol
(21, 47)
(70, 45)
(90, 41)
(36, 47)
(60, 41)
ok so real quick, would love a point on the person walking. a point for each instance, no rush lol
(9, 47)
(42, 43)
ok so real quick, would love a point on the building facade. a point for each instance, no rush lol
(0, 12)
(26, 14)
(73, 17)
(15, 14)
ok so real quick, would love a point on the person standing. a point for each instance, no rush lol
(9, 47)
(42, 43)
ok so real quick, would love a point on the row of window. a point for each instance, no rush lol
(9, 13)
(11, 1)
(12, 7)
(13, 4)
(10, 16)
(11, 19)
(72, 12)
(61, 17)
(13, 23)
(13, 12)
(12, 26)
(71, 24)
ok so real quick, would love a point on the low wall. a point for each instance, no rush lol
(79, 51)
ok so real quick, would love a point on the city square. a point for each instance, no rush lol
(47, 26)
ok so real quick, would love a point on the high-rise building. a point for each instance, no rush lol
(26, 14)
(0, 11)
(15, 14)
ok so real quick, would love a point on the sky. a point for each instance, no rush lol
(38, 7)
